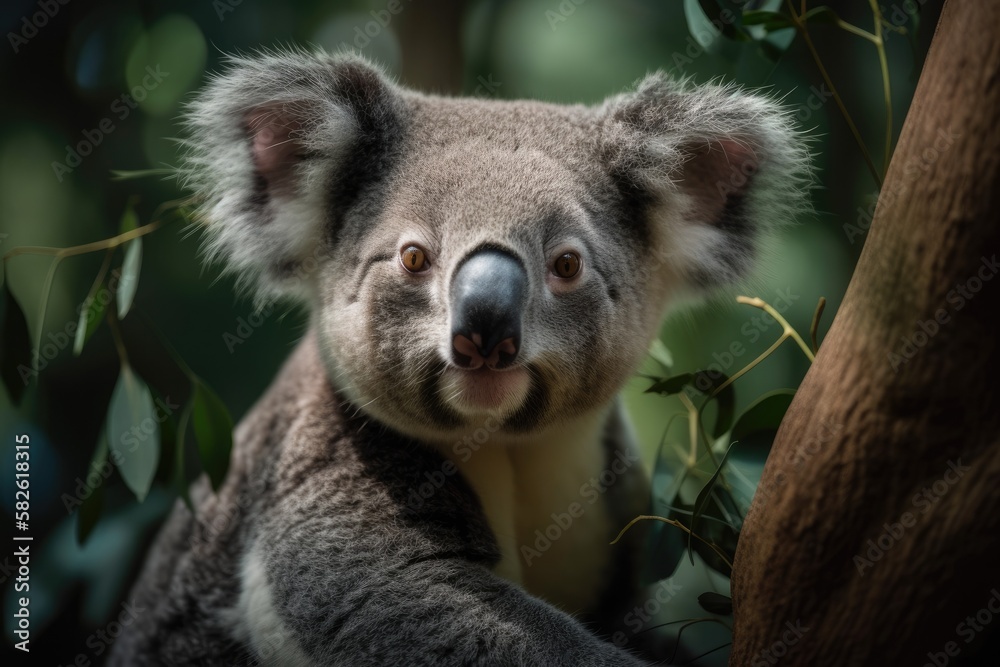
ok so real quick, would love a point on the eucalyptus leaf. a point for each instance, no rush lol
(129, 282)
(698, 22)
(180, 479)
(703, 496)
(89, 514)
(661, 354)
(725, 401)
(15, 347)
(90, 511)
(130, 220)
(716, 603)
(90, 318)
(763, 415)
(821, 14)
(133, 432)
(213, 431)
(670, 386)
(769, 21)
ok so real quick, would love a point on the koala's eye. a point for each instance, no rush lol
(567, 265)
(414, 259)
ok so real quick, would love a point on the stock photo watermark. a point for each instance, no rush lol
(967, 629)
(590, 491)
(779, 649)
(913, 170)
(31, 24)
(99, 472)
(923, 501)
(381, 18)
(957, 298)
(640, 616)
(122, 107)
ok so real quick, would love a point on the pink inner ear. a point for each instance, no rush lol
(717, 172)
(276, 145)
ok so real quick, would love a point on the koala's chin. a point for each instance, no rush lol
(437, 473)
(485, 392)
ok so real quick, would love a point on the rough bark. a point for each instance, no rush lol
(843, 538)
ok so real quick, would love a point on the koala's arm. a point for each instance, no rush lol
(433, 609)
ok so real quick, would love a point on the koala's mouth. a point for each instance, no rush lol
(486, 390)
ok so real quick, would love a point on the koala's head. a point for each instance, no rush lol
(467, 258)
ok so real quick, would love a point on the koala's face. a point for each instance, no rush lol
(471, 259)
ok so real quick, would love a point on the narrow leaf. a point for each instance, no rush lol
(716, 603)
(181, 481)
(763, 415)
(702, 501)
(769, 21)
(129, 277)
(90, 318)
(725, 401)
(661, 354)
(129, 219)
(821, 14)
(15, 347)
(90, 510)
(213, 431)
(670, 385)
(134, 432)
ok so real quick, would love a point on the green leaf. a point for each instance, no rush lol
(716, 603)
(702, 501)
(134, 432)
(725, 402)
(90, 510)
(665, 543)
(763, 415)
(15, 347)
(724, 16)
(90, 318)
(181, 481)
(670, 386)
(698, 22)
(129, 174)
(769, 21)
(129, 219)
(661, 354)
(130, 276)
(822, 14)
(213, 431)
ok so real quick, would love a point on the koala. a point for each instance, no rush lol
(436, 474)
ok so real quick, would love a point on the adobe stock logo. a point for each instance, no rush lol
(30, 25)
(122, 107)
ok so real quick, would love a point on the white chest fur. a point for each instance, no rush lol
(542, 497)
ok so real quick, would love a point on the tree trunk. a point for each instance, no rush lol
(875, 532)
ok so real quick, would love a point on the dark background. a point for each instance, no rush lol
(64, 79)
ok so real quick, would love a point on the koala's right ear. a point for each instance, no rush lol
(278, 146)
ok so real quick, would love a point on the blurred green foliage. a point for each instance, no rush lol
(97, 86)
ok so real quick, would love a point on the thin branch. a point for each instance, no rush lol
(677, 524)
(801, 28)
(116, 336)
(887, 93)
(113, 242)
(789, 331)
(814, 327)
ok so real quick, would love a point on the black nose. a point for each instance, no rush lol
(487, 297)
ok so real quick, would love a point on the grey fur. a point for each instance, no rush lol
(313, 171)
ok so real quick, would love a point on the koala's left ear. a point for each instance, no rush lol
(709, 169)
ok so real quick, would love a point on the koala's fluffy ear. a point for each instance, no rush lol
(709, 169)
(278, 144)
